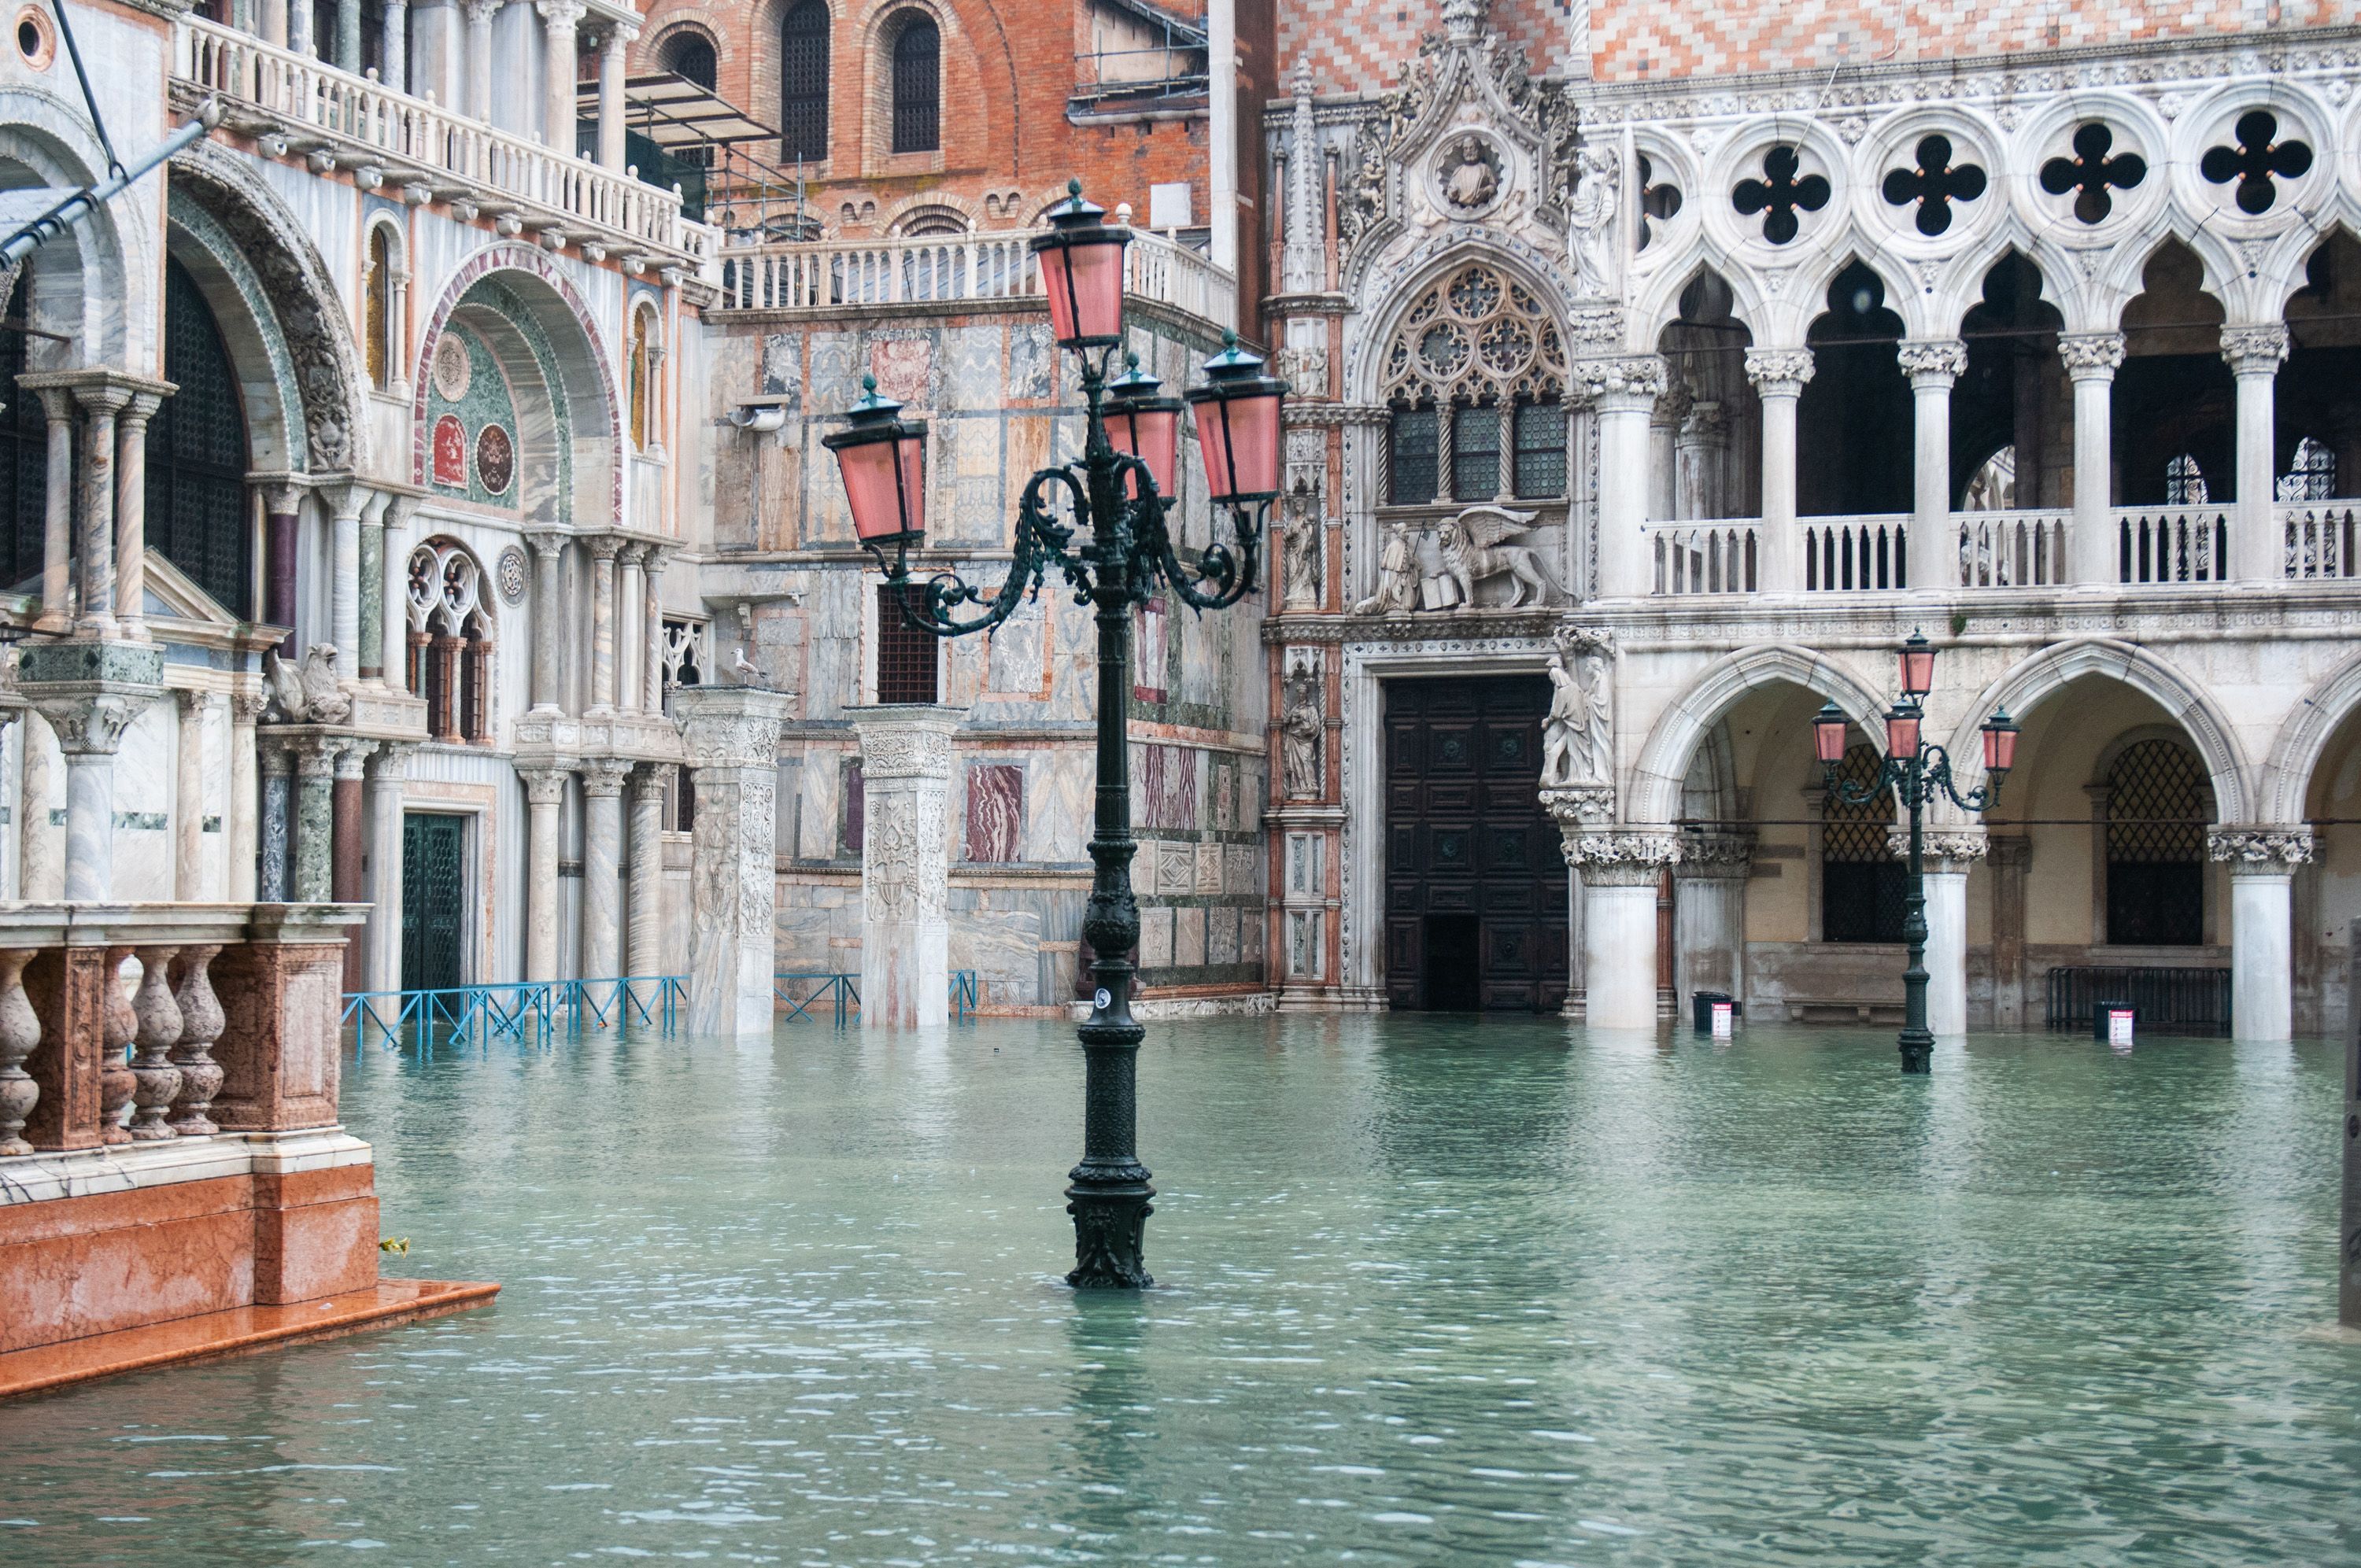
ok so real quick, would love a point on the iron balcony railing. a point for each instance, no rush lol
(521, 1009)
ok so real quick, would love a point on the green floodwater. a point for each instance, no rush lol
(1430, 1291)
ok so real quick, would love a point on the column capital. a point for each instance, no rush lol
(730, 726)
(905, 739)
(543, 787)
(1579, 807)
(2256, 350)
(648, 780)
(1621, 383)
(1715, 856)
(2261, 850)
(602, 777)
(563, 16)
(1932, 361)
(604, 546)
(1779, 372)
(482, 11)
(346, 499)
(247, 708)
(391, 762)
(352, 762)
(316, 756)
(99, 389)
(1631, 856)
(195, 701)
(547, 545)
(2091, 355)
(91, 724)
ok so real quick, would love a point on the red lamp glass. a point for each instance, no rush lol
(1902, 731)
(2000, 744)
(1082, 272)
(1829, 734)
(1237, 425)
(883, 459)
(1144, 425)
(1918, 667)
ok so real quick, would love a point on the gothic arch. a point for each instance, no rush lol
(259, 354)
(1663, 768)
(1364, 374)
(2303, 738)
(2040, 675)
(80, 279)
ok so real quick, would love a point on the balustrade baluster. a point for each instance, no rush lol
(156, 1082)
(200, 1025)
(20, 1031)
(119, 1027)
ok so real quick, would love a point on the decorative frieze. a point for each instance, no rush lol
(2259, 849)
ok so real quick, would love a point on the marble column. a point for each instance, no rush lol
(652, 673)
(299, 28)
(393, 596)
(348, 47)
(245, 797)
(2257, 546)
(190, 882)
(56, 516)
(281, 509)
(2010, 857)
(479, 56)
(1934, 366)
(91, 742)
(548, 620)
(610, 94)
(102, 402)
(1947, 853)
(1622, 395)
(905, 774)
(274, 22)
(1621, 869)
(348, 881)
(544, 793)
(560, 19)
(602, 860)
(394, 49)
(274, 883)
(1709, 914)
(630, 607)
(2262, 862)
(387, 770)
(2091, 359)
(314, 877)
(1700, 450)
(131, 509)
(346, 503)
(643, 944)
(603, 551)
(40, 862)
(731, 736)
(90, 693)
(1779, 375)
(369, 653)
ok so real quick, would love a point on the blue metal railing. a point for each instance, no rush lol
(843, 993)
(482, 1013)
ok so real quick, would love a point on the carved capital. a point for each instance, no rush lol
(1933, 361)
(648, 780)
(2255, 350)
(543, 787)
(91, 725)
(1779, 372)
(1624, 381)
(2259, 849)
(2091, 355)
(548, 546)
(1630, 859)
(602, 777)
(1577, 808)
(247, 708)
(1708, 855)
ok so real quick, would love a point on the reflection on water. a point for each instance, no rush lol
(1432, 1292)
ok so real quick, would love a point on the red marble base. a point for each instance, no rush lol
(234, 1331)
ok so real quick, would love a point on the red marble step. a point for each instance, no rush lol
(234, 1331)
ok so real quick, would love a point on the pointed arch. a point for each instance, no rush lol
(2302, 740)
(1663, 768)
(1364, 368)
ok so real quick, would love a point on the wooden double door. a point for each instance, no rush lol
(1476, 884)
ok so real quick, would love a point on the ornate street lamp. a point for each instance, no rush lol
(1918, 771)
(1117, 496)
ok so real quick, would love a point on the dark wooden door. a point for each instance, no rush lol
(434, 901)
(1476, 887)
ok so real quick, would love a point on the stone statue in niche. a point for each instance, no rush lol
(1475, 549)
(1578, 735)
(1591, 228)
(1300, 555)
(1301, 729)
(1473, 176)
(1397, 575)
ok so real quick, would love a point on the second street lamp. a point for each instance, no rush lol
(1100, 524)
(1918, 773)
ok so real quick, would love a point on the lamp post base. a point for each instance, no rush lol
(1110, 1210)
(1918, 1051)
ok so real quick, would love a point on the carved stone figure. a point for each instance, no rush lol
(1397, 575)
(1591, 229)
(1578, 738)
(1300, 727)
(1562, 730)
(1300, 553)
(1474, 550)
(310, 697)
(1471, 181)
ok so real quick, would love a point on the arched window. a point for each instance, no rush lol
(803, 81)
(641, 389)
(377, 309)
(1862, 886)
(2158, 805)
(1993, 487)
(25, 438)
(2184, 482)
(1475, 376)
(451, 642)
(197, 505)
(690, 56)
(2311, 477)
(917, 86)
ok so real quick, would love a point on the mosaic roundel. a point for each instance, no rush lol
(495, 460)
(509, 571)
(453, 371)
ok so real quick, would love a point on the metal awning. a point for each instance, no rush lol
(674, 112)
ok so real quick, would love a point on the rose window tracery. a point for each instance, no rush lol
(1478, 338)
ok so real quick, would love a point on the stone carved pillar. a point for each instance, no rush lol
(1709, 914)
(1779, 375)
(602, 857)
(1620, 867)
(57, 517)
(1699, 448)
(2257, 551)
(603, 551)
(2010, 857)
(560, 19)
(102, 403)
(544, 793)
(314, 877)
(387, 770)
(2262, 862)
(610, 95)
(200, 1025)
(732, 734)
(281, 505)
(156, 1082)
(245, 794)
(1934, 366)
(369, 653)
(131, 511)
(643, 943)
(548, 619)
(1622, 395)
(2091, 359)
(651, 675)
(189, 878)
(90, 693)
(348, 883)
(1947, 854)
(631, 606)
(277, 812)
(480, 54)
(346, 503)
(906, 773)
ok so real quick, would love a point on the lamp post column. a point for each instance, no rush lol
(1950, 852)
(1917, 1042)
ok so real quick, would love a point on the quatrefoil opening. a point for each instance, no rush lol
(1935, 184)
(2090, 171)
(1780, 194)
(2257, 162)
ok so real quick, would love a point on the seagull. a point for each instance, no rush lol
(748, 673)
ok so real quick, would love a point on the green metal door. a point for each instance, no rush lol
(434, 901)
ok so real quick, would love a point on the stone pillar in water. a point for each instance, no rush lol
(731, 737)
(906, 773)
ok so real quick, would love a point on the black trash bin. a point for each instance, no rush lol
(1701, 1009)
